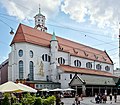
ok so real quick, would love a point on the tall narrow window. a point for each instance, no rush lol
(31, 65)
(70, 76)
(31, 53)
(20, 69)
(59, 76)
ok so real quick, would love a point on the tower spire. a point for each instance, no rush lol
(39, 9)
(40, 21)
(53, 37)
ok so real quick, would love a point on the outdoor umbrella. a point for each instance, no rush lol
(10, 87)
(69, 89)
(45, 90)
(57, 89)
(26, 88)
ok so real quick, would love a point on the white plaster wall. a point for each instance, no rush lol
(65, 80)
(38, 51)
(63, 55)
(37, 57)
(94, 63)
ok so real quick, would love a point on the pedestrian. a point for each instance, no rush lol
(58, 100)
(81, 96)
(110, 97)
(76, 99)
(104, 98)
(115, 97)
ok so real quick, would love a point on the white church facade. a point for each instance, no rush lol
(43, 60)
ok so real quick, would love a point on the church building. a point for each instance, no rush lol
(44, 60)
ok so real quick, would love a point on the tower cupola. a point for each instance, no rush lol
(40, 21)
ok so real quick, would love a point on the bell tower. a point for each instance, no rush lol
(40, 21)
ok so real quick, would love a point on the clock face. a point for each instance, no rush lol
(31, 53)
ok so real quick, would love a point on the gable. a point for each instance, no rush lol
(76, 81)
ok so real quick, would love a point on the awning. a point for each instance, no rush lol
(79, 80)
(98, 80)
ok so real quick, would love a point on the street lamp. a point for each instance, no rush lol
(11, 32)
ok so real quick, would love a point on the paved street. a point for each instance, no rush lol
(90, 101)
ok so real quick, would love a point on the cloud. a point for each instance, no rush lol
(27, 9)
(103, 13)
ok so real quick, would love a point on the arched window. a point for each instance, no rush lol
(20, 53)
(46, 57)
(89, 65)
(77, 63)
(107, 68)
(98, 67)
(20, 69)
(31, 67)
(31, 54)
(61, 60)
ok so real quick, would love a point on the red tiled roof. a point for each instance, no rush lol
(72, 69)
(34, 36)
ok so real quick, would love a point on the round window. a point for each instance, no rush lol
(98, 67)
(77, 63)
(31, 53)
(89, 65)
(61, 60)
(107, 68)
(20, 53)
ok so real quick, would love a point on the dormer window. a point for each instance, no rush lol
(85, 53)
(75, 51)
(96, 57)
(104, 59)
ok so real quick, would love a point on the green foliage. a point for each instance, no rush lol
(28, 99)
(51, 100)
(45, 102)
(38, 101)
(17, 104)
(6, 94)
(5, 101)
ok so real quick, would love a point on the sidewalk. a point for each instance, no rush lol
(108, 102)
(90, 101)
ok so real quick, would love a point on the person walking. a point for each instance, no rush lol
(81, 96)
(104, 98)
(76, 99)
(115, 97)
(110, 98)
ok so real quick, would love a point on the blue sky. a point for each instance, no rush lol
(93, 23)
